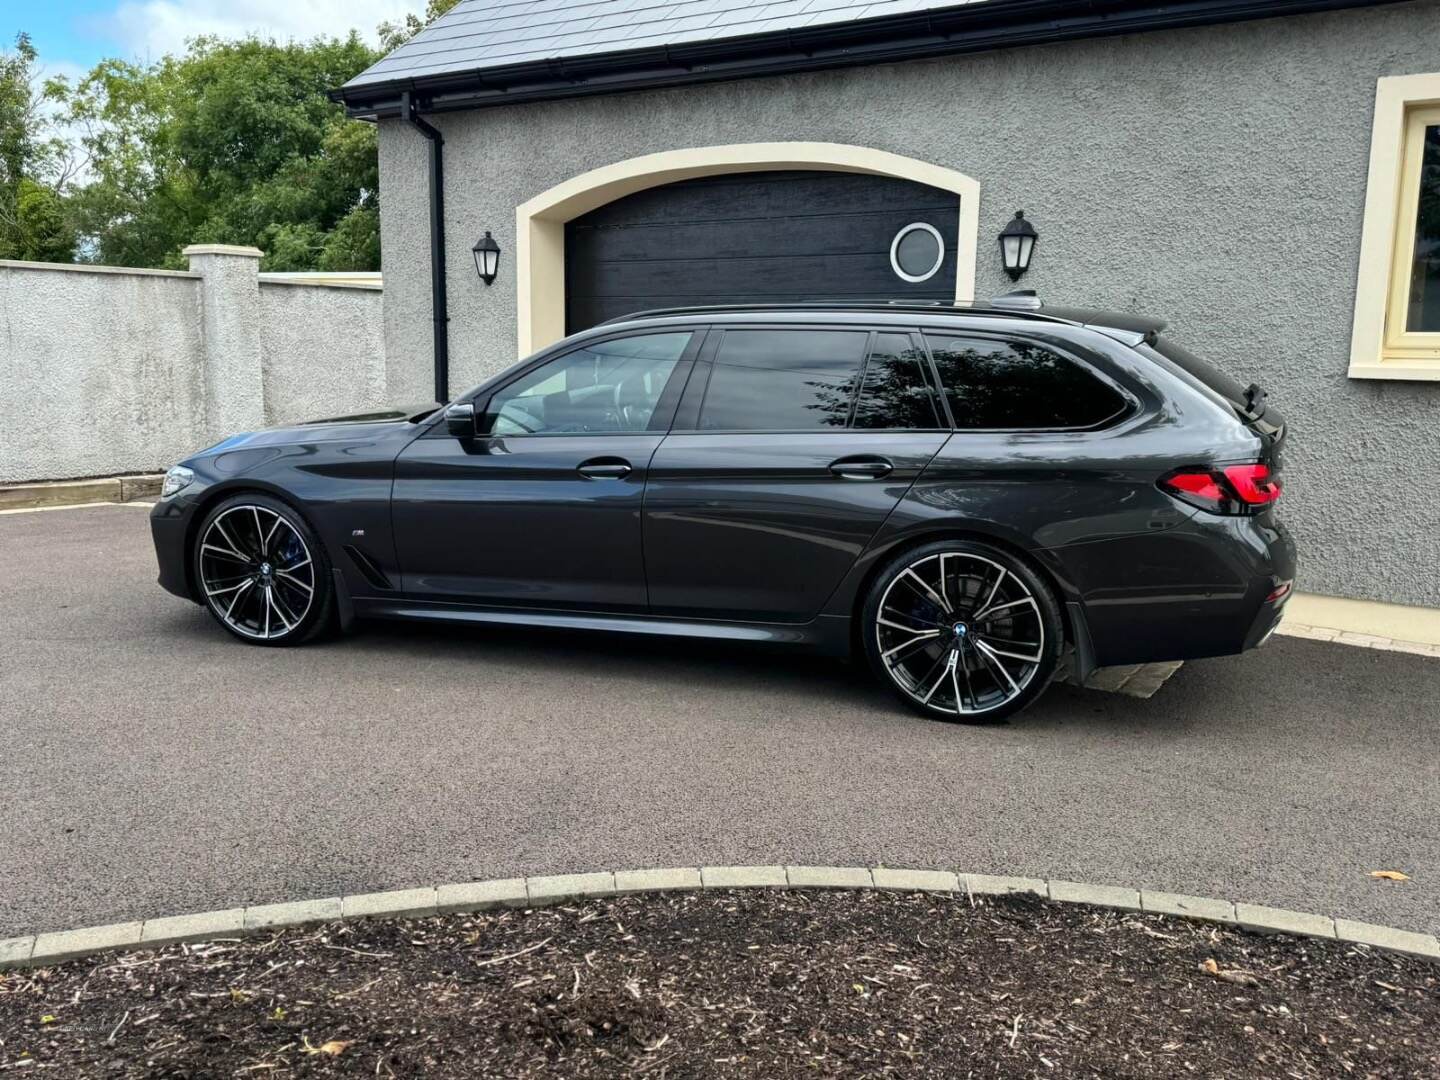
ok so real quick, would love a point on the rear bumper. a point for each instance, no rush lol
(1202, 589)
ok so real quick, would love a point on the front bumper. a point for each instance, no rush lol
(170, 530)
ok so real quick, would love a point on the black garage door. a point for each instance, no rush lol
(758, 237)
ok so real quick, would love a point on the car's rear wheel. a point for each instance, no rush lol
(263, 572)
(962, 630)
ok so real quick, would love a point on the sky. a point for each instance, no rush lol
(71, 35)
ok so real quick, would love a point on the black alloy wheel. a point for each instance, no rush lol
(263, 571)
(962, 630)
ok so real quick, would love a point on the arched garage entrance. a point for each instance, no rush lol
(541, 270)
(757, 237)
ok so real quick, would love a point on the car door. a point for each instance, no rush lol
(541, 508)
(791, 447)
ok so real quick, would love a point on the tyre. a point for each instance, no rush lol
(961, 630)
(263, 571)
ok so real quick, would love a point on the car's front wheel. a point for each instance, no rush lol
(263, 572)
(962, 630)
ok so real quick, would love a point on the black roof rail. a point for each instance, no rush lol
(1023, 305)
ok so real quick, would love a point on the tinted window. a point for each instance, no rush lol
(1015, 384)
(894, 392)
(609, 386)
(783, 380)
(1207, 373)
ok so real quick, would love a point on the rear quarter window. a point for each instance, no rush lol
(993, 383)
(1202, 370)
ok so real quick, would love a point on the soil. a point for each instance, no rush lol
(750, 983)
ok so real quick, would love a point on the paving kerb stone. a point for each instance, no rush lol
(1193, 907)
(202, 926)
(665, 880)
(1278, 920)
(1388, 938)
(915, 880)
(993, 885)
(554, 888)
(1110, 896)
(68, 944)
(15, 952)
(743, 877)
(480, 895)
(829, 877)
(54, 947)
(400, 903)
(299, 913)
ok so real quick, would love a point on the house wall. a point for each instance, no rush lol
(1215, 176)
(105, 370)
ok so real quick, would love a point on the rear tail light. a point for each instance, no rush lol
(1233, 489)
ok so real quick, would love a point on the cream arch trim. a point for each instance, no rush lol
(1375, 352)
(540, 222)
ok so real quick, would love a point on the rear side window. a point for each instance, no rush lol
(783, 380)
(894, 392)
(1208, 374)
(1017, 384)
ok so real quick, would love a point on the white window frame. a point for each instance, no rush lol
(1380, 347)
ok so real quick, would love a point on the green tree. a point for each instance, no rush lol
(393, 35)
(234, 142)
(33, 164)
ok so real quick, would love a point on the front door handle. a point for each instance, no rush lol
(862, 468)
(604, 468)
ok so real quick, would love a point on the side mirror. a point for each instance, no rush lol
(460, 420)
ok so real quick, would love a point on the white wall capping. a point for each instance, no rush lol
(95, 268)
(234, 250)
(375, 286)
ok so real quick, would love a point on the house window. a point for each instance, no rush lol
(1415, 308)
(1397, 304)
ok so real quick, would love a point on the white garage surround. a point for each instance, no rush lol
(540, 222)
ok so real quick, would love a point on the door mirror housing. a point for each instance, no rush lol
(460, 420)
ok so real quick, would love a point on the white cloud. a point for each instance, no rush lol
(148, 29)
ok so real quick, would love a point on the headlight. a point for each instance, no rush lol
(176, 479)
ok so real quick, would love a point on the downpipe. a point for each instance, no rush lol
(439, 307)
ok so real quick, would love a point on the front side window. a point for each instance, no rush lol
(783, 380)
(611, 385)
(991, 383)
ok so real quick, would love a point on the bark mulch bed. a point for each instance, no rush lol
(736, 984)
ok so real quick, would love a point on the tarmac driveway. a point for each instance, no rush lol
(151, 765)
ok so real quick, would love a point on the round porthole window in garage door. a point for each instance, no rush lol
(917, 252)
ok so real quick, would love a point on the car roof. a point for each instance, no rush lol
(1021, 305)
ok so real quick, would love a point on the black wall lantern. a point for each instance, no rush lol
(487, 257)
(1017, 243)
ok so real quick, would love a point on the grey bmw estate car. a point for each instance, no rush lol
(975, 498)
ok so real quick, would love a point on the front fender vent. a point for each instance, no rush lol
(367, 567)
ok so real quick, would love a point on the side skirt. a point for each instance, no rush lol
(828, 635)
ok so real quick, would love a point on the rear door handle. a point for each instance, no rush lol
(862, 468)
(604, 468)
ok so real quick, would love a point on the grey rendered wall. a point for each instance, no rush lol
(322, 349)
(1215, 176)
(99, 372)
(106, 370)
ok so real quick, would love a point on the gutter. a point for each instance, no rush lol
(973, 27)
(439, 306)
